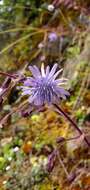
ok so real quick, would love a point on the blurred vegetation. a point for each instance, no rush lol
(26, 143)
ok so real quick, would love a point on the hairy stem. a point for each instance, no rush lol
(7, 74)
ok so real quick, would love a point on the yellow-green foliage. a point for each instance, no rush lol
(47, 127)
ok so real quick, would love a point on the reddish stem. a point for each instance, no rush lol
(7, 74)
(72, 122)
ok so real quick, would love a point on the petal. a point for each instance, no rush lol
(63, 91)
(38, 101)
(24, 87)
(26, 92)
(37, 70)
(47, 70)
(34, 71)
(32, 97)
(29, 82)
(56, 74)
(43, 70)
(59, 95)
(53, 70)
(59, 81)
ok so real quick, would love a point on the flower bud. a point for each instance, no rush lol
(51, 7)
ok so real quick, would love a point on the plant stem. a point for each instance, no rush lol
(62, 164)
(7, 74)
(72, 122)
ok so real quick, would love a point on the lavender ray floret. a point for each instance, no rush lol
(53, 70)
(56, 74)
(34, 71)
(47, 70)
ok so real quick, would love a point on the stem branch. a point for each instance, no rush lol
(72, 122)
(7, 74)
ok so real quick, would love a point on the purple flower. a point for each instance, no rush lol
(44, 87)
(52, 37)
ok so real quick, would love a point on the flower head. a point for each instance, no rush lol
(44, 87)
(52, 37)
